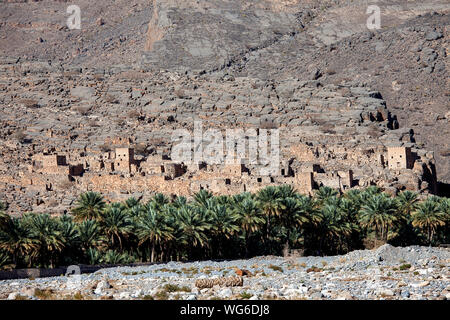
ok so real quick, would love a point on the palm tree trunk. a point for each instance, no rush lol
(246, 244)
(162, 252)
(288, 238)
(268, 233)
(430, 235)
(152, 259)
(14, 256)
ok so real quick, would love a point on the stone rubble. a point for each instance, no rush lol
(357, 275)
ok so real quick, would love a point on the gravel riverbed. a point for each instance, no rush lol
(385, 273)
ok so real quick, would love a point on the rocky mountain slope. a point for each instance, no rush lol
(136, 65)
(406, 60)
(75, 113)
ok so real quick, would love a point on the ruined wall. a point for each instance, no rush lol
(116, 183)
(302, 153)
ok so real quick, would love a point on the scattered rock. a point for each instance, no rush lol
(433, 35)
(13, 295)
(225, 293)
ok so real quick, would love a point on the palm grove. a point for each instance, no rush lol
(221, 227)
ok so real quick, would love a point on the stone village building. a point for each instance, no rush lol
(119, 172)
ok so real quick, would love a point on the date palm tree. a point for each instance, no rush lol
(250, 217)
(89, 234)
(4, 260)
(286, 191)
(71, 238)
(378, 213)
(354, 195)
(115, 257)
(372, 190)
(4, 217)
(224, 225)
(89, 206)
(445, 208)
(292, 216)
(159, 200)
(308, 206)
(179, 202)
(224, 221)
(48, 234)
(368, 193)
(194, 225)
(153, 228)
(16, 239)
(131, 203)
(429, 216)
(268, 200)
(201, 197)
(348, 210)
(407, 202)
(223, 200)
(116, 225)
(324, 193)
(334, 228)
(93, 256)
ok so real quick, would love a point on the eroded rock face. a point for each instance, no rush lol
(327, 40)
(206, 35)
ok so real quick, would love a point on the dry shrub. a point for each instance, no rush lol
(317, 120)
(19, 135)
(111, 99)
(330, 71)
(105, 147)
(120, 122)
(374, 132)
(131, 75)
(93, 123)
(64, 185)
(180, 93)
(29, 103)
(133, 114)
(445, 153)
(82, 110)
(141, 149)
(328, 128)
(44, 294)
(268, 124)
(313, 269)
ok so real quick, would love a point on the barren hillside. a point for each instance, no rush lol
(143, 68)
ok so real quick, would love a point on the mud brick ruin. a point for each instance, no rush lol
(109, 130)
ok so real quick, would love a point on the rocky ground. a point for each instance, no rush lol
(73, 111)
(327, 40)
(144, 67)
(417, 273)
